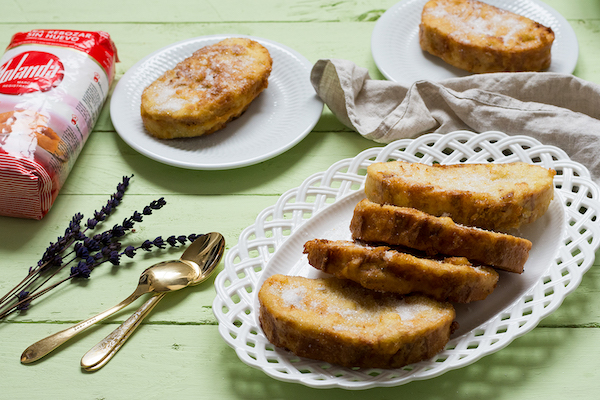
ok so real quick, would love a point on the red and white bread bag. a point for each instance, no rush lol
(53, 84)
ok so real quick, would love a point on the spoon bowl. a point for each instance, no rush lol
(168, 276)
(203, 254)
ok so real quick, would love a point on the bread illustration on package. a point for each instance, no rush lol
(53, 84)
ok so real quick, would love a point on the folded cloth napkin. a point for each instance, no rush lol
(556, 109)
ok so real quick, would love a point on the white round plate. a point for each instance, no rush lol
(280, 117)
(564, 239)
(398, 55)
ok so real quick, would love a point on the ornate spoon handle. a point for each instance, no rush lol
(42, 347)
(102, 352)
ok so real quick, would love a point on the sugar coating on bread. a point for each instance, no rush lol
(206, 90)
(403, 226)
(338, 321)
(489, 196)
(382, 268)
(479, 37)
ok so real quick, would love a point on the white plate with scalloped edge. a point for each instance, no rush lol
(398, 55)
(279, 118)
(564, 240)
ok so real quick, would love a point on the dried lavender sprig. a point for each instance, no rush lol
(173, 241)
(52, 256)
(111, 204)
(73, 232)
(110, 253)
(84, 268)
(105, 245)
(107, 239)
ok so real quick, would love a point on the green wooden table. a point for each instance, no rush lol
(178, 352)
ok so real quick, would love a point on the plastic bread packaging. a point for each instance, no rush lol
(53, 84)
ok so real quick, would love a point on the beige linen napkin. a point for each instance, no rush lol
(559, 110)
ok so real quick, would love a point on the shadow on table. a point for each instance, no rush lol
(270, 176)
(492, 377)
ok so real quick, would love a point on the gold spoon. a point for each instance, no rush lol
(161, 277)
(206, 260)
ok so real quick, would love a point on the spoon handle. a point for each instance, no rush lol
(42, 347)
(101, 353)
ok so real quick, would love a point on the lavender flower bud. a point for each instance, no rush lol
(137, 217)
(22, 295)
(74, 226)
(118, 231)
(127, 224)
(82, 270)
(114, 258)
(81, 251)
(77, 218)
(99, 216)
(159, 242)
(158, 204)
(106, 237)
(129, 251)
(56, 261)
(91, 244)
(105, 251)
(79, 236)
(115, 246)
(182, 239)
(172, 240)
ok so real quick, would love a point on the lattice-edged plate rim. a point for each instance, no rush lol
(574, 210)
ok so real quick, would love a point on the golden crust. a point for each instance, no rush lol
(380, 268)
(402, 226)
(489, 196)
(478, 37)
(207, 90)
(339, 322)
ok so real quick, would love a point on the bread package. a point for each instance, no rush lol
(53, 84)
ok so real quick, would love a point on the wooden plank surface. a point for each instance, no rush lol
(178, 351)
(191, 362)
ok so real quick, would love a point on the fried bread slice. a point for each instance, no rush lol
(207, 90)
(490, 196)
(339, 322)
(381, 268)
(479, 37)
(402, 226)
